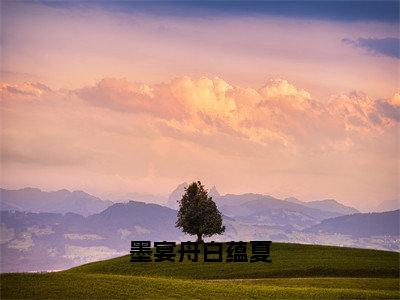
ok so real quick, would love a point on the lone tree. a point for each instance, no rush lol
(198, 214)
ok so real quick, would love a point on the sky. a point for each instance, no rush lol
(282, 98)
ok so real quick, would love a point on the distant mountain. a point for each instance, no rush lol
(361, 225)
(67, 228)
(51, 241)
(332, 205)
(141, 197)
(176, 195)
(62, 201)
(213, 192)
(48, 241)
(388, 205)
(232, 199)
(40, 241)
(267, 210)
(294, 200)
(141, 220)
(326, 205)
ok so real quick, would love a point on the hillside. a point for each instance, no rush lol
(361, 225)
(288, 260)
(296, 271)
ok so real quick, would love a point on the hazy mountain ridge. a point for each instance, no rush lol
(266, 210)
(143, 220)
(176, 195)
(62, 201)
(46, 241)
(361, 224)
(140, 197)
(387, 205)
(327, 205)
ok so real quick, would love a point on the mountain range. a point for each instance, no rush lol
(388, 205)
(62, 201)
(361, 225)
(327, 205)
(56, 230)
(48, 241)
(267, 210)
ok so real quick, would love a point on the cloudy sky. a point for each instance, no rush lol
(288, 99)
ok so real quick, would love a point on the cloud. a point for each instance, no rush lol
(121, 135)
(278, 112)
(27, 90)
(151, 49)
(390, 109)
(384, 47)
(207, 110)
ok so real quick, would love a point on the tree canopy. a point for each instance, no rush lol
(198, 214)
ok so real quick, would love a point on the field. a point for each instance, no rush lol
(296, 271)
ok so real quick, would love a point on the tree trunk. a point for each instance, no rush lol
(199, 238)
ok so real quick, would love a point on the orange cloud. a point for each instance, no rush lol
(118, 135)
(23, 91)
(278, 112)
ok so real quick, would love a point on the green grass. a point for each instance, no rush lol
(296, 271)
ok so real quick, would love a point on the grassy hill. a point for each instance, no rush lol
(296, 271)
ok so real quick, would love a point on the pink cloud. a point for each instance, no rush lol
(279, 111)
(24, 91)
(118, 135)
